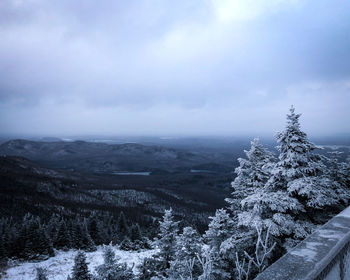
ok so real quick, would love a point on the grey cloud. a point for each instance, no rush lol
(143, 57)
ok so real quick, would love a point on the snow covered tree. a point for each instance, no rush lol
(80, 269)
(111, 269)
(337, 170)
(41, 274)
(273, 206)
(220, 228)
(188, 247)
(303, 171)
(298, 185)
(296, 158)
(275, 209)
(168, 230)
(252, 173)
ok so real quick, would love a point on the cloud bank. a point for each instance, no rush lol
(163, 67)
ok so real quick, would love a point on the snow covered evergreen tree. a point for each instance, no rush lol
(159, 264)
(220, 228)
(338, 171)
(185, 264)
(252, 173)
(111, 269)
(298, 185)
(80, 269)
(168, 230)
(41, 274)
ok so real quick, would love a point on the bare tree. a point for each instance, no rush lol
(206, 262)
(262, 251)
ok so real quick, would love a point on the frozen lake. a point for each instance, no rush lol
(143, 173)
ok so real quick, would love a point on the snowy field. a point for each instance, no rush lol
(60, 266)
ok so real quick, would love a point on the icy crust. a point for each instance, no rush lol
(312, 255)
(60, 266)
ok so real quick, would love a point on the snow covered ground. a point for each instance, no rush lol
(60, 266)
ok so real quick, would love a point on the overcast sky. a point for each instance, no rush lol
(184, 67)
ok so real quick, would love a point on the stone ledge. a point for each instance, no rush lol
(309, 258)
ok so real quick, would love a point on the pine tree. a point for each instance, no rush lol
(41, 274)
(3, 253)
(135, 233)
(220, 228)
(188, 246)
(298, 185)
(122, 227)
(138, 242)
(62, 238)
(306, 176)
(80, 269)
(168, 230)
(94, 229)
(111, 269)
(31, 241)
(52, 228)
(45, 248)
(252, 173)
(296, 158)
(87, 243)
(338, 171)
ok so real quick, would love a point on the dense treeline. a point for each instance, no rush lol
(34, 239)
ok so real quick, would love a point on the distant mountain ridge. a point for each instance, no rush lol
(102, 157)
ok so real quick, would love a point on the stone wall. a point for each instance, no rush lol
(324, 255)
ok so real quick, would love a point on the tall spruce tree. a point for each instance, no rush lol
(63, 239)
(122, 228)
(80, 270)
(298, 185)
(220, 229)
(168, 231)
(94, 229)
(188, 247)
(273, 205)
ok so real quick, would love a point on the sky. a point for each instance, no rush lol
(184, 67)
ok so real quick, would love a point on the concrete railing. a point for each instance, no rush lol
(324, 255)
